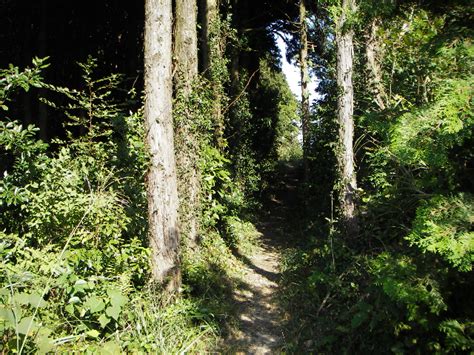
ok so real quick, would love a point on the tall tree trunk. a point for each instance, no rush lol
(161, 177)
(305, 113)
(235, 54)
(211, 55)
(185, 44)
(186, 67)
(373, 54)
(208, 13)
(345, 154)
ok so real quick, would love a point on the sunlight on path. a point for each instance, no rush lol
(261, 319)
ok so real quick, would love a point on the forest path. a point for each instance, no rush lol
(260, 316)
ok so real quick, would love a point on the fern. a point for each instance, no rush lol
(444, 226)
(424, 136)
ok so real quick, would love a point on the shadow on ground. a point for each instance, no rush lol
(260, 315)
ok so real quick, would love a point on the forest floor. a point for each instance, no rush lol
(261, 318)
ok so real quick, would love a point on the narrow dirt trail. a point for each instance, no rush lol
(260, 315)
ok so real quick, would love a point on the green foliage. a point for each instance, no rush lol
(458, 336)
(73, 244)
(241, 136)
(155, 326)
(424, 137)
(211, 271)
(401, 282)
(404, 284)
(242, 236)
(22, 151)
(73, 250)
(12, 79)
(262, 128)
(216, 185)
(443, 225)
(279, 105)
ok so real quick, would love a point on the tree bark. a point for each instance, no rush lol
(185, 45)
(345, 155)
(186, 67)
(161, 177)
(210, 12)
(211, 55)
(373, 53)
(235, 54)
(304, 73)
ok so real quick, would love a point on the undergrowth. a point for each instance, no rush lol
(404, 284)
(73, 245)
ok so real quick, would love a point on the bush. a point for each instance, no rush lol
(74, 256)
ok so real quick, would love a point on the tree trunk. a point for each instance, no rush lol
(186, 66)
(210, 13)
(345, 155)
(211, 55)
(305, 113)
(372, 51)
(161, 177)
(235, 54)
(185, 45)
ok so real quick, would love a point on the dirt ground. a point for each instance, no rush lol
(261, 317)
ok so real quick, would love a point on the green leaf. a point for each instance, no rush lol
(111, 348)
(74, 300)
(7, 316)
(81, 285)
(93, 333)
(44, 344)
(104, 320)
(358, 319)
(113, 312)
(26, 324)
(21, 298)
(116, 298)
(70, 308)
(94, 304)
(33, 299)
